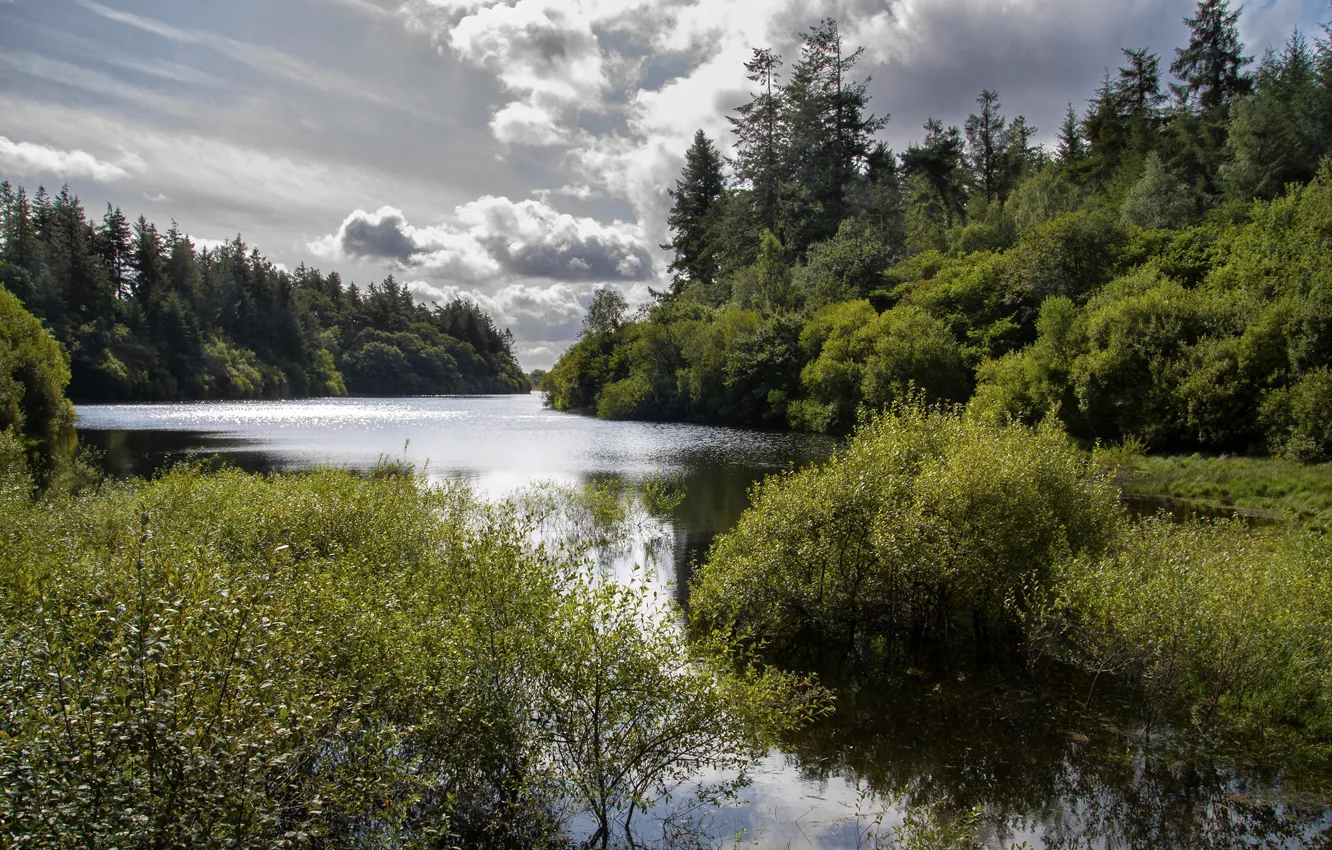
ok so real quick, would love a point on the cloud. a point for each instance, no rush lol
(203, 243)
(532, 311)
(494, 238)
(380, 235)
(27, 158)
(545, 318)
(545, 53)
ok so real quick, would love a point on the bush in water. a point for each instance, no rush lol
(923, 521)
(320, 660)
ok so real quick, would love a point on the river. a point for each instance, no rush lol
(1041, 769)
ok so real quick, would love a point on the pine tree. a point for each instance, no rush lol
(1211, 68)
(1138, 88)
(18, 230)
(113, 246)
(987, 142)
(1072, 148)
(1277, 135)
(829, 132)
(149, 281)
(938, 161)
(1107, 132)
(692, 215)
(760, 137)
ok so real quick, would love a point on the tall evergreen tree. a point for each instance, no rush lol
(760, 138)
(1211, 67)
(1280, 132)
(829, 135)
(113, 246)
(149, 282)
(987, 143)
(1139, 85)
(693, 213)
(938, 161)
(1072, 148)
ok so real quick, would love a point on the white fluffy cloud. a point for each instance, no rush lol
(545, 55)
(494, 238)
(27, 158)
(544, 318)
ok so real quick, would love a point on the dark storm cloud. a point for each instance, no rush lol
(364, 237)
(588, 259)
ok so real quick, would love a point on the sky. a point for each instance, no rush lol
(514, 152)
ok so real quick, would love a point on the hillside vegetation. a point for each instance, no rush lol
(1161, 274)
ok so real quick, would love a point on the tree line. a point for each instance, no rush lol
(147, 315)
(1161, 273)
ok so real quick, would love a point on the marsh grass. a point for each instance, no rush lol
(1282, 488)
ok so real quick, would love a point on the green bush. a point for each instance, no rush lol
(924, 521)
(1299, 418)
(327, 660)
(625, 399)
(1214, 622)
(33, 375)
(914, 350)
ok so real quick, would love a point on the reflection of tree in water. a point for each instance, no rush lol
(144, 453)
(1028, 753)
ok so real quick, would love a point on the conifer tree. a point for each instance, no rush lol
(1211, 67)
(829, 135)
(1072, 148)
(938, 161)
(113, 246)
(760, 137)
(691, 219)
(1139, 85)
(987, 142)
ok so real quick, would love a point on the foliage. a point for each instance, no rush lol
(146, 315)
(645, 710)
(325, 660)
(1214, 622)
(931, 531)
(33, 375)
(1165, 276)
(925, 521)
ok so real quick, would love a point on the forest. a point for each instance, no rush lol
(147, 316)
(954, 609)
(1160, 275)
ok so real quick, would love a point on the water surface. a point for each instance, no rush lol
(1044, 768)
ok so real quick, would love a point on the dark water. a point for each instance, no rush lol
(1043, 766)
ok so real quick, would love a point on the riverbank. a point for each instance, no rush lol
(1261, 489)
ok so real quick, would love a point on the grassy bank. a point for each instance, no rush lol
(1275, 487)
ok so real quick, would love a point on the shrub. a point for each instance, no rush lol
(625, 399)
(914, 349)
(33, 375)
(325, 660)
(1299, 418)
(1215, 622)
(923, 521)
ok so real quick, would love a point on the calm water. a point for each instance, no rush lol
(1043, 769)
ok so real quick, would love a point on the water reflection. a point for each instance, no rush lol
(1045, 766)
(1044, 769)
